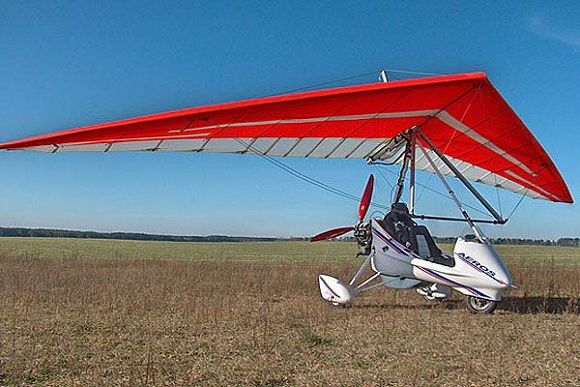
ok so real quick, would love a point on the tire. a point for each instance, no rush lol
(480, 305)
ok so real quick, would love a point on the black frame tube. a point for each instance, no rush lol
(433, 217)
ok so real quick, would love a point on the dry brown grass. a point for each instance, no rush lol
(152, 322)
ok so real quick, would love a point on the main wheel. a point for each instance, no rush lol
(480, 305)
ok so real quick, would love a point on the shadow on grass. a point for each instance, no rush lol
(448, 304)
(534, 305)
(520, 305)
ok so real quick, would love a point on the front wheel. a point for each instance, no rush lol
(480, 305)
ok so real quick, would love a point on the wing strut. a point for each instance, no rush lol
(407, 160)
(451, 193)
(462, 178)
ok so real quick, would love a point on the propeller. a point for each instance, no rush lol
(363, 207)
(331, 233)
(365, 201)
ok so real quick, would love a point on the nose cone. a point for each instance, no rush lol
(503, 275)
(486, 262)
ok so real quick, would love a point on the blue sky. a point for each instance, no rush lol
(68, 64)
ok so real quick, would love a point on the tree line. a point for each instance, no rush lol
(50, 233)
(564, 242)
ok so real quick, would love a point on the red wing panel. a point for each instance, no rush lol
(462, 114)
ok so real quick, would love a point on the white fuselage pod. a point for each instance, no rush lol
(391, 259)
(477, 271)
(482, 268)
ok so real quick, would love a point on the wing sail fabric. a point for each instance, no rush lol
(463, 115)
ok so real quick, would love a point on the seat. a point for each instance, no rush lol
(399, 224)
(427, 248)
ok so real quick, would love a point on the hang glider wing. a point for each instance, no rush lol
(463, 115)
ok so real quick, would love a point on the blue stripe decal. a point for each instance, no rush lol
(329, 288)
(439, 276)
(389, 242)
(397, 246)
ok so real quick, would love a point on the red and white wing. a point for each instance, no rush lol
(463, 115)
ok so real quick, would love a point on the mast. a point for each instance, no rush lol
(383, 76)
(402, 174)
(413, 143)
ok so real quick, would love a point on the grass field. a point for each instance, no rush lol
(295, 252)
(108, 313)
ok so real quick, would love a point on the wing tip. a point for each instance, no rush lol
(569, 199)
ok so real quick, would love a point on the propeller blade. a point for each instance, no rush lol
(331, 234)
(365, 201)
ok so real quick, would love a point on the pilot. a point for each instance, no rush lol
(399, 225)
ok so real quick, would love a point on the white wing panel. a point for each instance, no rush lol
(347, 146)
(221, 145)
(304, 147)
(325, 148)
(473, 173)
(365, 148)
(181, 145)
(133, 146)
(282, 146)
(83, 148)
(262, 145)
(43, 148)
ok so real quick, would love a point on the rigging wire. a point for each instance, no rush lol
(325, 83)
(306, 178)
(382, 175)
(452, 136)
(439, 193)
(333, 190)
(336, 191)
(517, 205)
(351, 77)
(411, 72)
